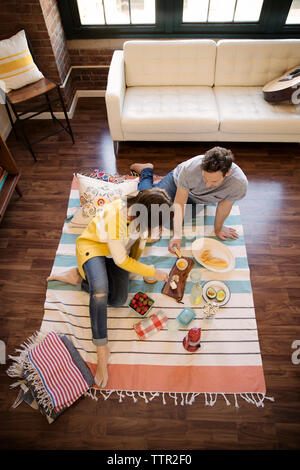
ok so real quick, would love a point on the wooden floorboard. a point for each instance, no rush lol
(29, 235)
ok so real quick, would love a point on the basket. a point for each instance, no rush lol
(148, 299)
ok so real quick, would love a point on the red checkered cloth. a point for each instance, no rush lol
(151, 325)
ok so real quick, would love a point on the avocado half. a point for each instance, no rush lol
(211, 293)
(221, 295)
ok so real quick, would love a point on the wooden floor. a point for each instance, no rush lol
(29, 235)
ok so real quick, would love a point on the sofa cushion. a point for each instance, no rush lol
(170, 109)
(245, 62)
(176, 62)
(244, 110)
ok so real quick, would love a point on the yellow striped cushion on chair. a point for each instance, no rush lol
(17, 67)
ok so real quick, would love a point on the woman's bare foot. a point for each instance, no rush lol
(139, 167)
(101, 376)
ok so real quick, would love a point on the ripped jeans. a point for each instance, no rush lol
(107, 284)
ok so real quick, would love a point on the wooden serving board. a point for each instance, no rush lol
(178, 293)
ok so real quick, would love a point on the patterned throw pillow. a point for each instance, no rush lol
(17, 68)
(95, 193)
(108, 177)
(117, 179)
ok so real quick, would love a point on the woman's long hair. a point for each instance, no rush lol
(152, 206)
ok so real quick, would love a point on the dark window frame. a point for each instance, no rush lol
(169, 25)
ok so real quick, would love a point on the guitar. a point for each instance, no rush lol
(282, 88)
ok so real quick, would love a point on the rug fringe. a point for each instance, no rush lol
(16, 369)
(21, 363)
(181, 398)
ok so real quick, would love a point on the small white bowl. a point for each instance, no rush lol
(182, 260)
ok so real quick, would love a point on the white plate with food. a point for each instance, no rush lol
(213, 255)
(216, 292)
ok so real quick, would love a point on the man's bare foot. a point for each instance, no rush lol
(101, 376)
(139, 167)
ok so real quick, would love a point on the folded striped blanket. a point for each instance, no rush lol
(53, 373)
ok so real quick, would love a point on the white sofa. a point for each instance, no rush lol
(200, 90)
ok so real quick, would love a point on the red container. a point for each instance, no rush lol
(191, 342)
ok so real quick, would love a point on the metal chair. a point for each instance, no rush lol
(30, 92)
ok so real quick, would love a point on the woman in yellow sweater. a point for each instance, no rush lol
(107, 251)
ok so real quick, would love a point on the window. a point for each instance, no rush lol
(210, 11)
(113, 12)
(294, 13)
(180, 18)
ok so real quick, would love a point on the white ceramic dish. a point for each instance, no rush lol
(217, 285)
(217, 249)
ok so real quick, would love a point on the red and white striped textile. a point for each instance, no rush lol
(59, 376)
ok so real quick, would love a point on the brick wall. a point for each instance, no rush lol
(81, 56)
(57, 36)
(90, 67)
(41, 20)
(16, 15)
(55, 55)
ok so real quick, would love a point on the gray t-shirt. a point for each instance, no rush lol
(188, 175)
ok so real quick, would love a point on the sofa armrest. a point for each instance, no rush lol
(114, 95)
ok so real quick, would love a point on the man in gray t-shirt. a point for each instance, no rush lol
(204, 179)
(189, 175)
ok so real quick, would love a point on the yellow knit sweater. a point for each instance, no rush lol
(107, 234)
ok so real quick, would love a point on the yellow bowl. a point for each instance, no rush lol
(181, 264)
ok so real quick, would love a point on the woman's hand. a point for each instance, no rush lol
(161, 276)
(173, 244)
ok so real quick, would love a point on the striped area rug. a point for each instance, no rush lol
(228, 364)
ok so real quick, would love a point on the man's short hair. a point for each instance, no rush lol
(217, 159)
